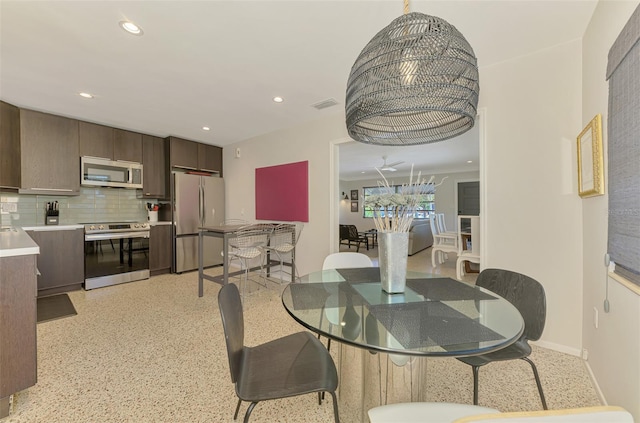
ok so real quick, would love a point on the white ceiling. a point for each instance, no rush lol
(220, 63)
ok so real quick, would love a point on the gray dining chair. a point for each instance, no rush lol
(528, 296)
(293, 365)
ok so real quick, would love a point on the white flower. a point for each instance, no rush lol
(399, 208)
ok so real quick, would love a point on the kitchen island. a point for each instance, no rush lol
(18, 285)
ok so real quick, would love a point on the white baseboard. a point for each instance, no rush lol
(558, 347)
(577, 353)
(601, 397)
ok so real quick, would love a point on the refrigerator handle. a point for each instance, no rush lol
(201, 211)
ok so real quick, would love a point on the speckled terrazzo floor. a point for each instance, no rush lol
(152, 351)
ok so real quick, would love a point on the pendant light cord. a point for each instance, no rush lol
(406, 7)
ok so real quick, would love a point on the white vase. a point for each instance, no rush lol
(393, 248)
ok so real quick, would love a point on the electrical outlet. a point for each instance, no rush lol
(585, 354)
(10, 207)
(238, 153)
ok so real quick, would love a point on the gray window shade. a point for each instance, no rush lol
(623, 73)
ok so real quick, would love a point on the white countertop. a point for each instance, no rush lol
(15, 242)
(42, 228)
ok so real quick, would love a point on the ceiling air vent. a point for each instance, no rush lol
(325, 103)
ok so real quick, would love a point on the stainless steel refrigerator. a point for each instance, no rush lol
(196, 201)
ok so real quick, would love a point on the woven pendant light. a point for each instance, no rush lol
(416, 82)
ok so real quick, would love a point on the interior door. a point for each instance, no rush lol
(469, 198)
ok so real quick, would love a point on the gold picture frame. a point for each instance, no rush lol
(590, 161)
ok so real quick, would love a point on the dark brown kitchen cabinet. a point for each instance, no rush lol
(49, 154)
(127, 146)
(183, 153)
(160, 249)
(61, 260)
(9, 146)
(18, 313)
(210, 158)
(95, 140)
(154, 167)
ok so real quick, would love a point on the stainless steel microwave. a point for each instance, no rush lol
(108, 173)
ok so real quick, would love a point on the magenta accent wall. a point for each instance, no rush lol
(282, 192)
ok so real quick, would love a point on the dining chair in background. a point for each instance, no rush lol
(443, 243)
(293, 365)
(283, 241)
(349, 234)
(468, 251)
(528, 296)
(346, 260)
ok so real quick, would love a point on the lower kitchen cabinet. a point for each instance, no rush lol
(18, 314)
(160, 249)
(61, 260)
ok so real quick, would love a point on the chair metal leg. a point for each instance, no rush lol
(336, 416)
(235, 416)
(248, 413)
(537, 377)
(320, 395)
(475, 370)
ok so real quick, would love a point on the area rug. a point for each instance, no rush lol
(55, 307)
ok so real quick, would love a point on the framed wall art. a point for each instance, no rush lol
(354, 194)
(590, 161)
(354, 206)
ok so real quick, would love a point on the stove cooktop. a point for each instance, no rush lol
(115, 227)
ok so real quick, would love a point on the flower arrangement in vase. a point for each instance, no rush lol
(393, 213)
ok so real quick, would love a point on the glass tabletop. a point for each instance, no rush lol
(435, 316)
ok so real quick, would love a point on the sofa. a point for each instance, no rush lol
(420, 237)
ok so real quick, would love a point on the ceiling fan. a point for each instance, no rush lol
(389, 167)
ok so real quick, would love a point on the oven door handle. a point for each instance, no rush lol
(117, 235)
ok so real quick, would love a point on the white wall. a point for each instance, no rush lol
(614, 347)
(446, 200)
(307, 142)
(533, 211)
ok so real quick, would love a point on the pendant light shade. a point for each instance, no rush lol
(416, 82)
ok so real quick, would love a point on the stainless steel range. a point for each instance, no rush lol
(115, 252)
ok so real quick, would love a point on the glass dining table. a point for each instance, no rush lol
(393, 333)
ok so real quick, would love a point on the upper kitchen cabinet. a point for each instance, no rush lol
(127, 146)
(109, 143)
(210, 158)
(95, 140)
(9, 146)
(183, 153)
(154, 167)
(49, 154)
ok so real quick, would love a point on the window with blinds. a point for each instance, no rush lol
(623, 73)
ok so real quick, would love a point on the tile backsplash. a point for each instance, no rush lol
(92, 205)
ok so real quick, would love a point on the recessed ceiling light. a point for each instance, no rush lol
(363, 172)
(469, 161)
(86, 95)
(131, 28)
(206, 128)
(278, 99)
